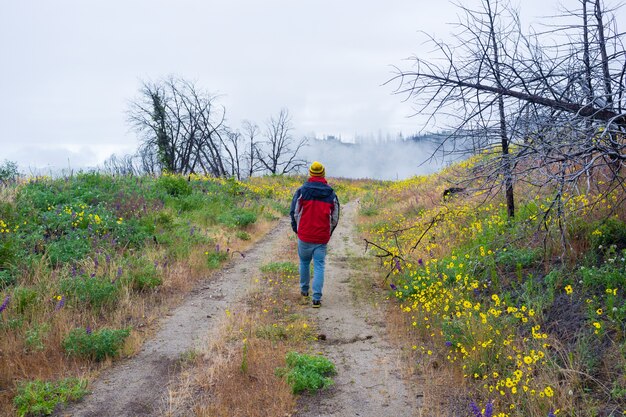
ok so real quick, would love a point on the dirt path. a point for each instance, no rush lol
(368, 381)
(137, 386)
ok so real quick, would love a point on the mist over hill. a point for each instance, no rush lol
(383, 160)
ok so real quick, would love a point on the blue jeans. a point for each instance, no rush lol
(317, 252)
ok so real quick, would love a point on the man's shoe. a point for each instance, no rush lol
(304, 294)
(317, 303)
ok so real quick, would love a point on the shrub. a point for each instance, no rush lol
(605, 233)
(6, 279)
(174, 185)
(307, 372)
(95, 345)
(242, 235)
(94, 291)
(144, 277)
(215, 259)
(237, 217)
(42, 397)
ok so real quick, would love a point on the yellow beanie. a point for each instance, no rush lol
(317, 170)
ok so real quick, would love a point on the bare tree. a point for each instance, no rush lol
(279, 155)
(555, 107)
(251, 134)
(124, 165)
(181, 125)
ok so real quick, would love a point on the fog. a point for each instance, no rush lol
(378, 160)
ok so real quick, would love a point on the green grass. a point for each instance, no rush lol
(307, 372)
(40, 398)
(95, 345)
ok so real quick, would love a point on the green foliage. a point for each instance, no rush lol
(7, 279)
(174, 185)
(610, 231)
(283, 268)
(190, 202)
(35, 335)
(95, 345)
(40, 398)
(606, 276)
(307, 372)
(518, 257)
(215, 259)
(144, 276)
(242, 235)
(96, 292)
(24, 298)
(69, 248)
(237, 217)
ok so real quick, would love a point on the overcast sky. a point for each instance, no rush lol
(69, 67)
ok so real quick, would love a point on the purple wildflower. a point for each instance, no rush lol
(217, 247)
(551, 413)
(398, 266)
(475, 409)
(108, 259)
(489, 409)
(393, 286)
(448, 343)
(5, 303)
(420, 262)
(88, 329)
(95, 262)
(92, 275)
(73, 270)
(60, 304)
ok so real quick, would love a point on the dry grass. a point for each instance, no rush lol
(234, 376)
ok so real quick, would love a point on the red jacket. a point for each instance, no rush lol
(314, 211)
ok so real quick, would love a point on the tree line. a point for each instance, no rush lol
(183, 130)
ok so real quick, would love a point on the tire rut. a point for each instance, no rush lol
(369, 381)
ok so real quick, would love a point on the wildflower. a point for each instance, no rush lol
(5, 303)
(599, 312)
(475, 409)
(448, 343)
(60, 303)
(568, 289)
(393, 286)
(88, 329)
(420, 262)
(397, 265)
(548, 391)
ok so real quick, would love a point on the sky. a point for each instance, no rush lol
(69, 68)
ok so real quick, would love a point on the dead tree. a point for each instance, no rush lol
(552, 101)
(279, 153)
(182, 126)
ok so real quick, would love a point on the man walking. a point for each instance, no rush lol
(314, 216)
